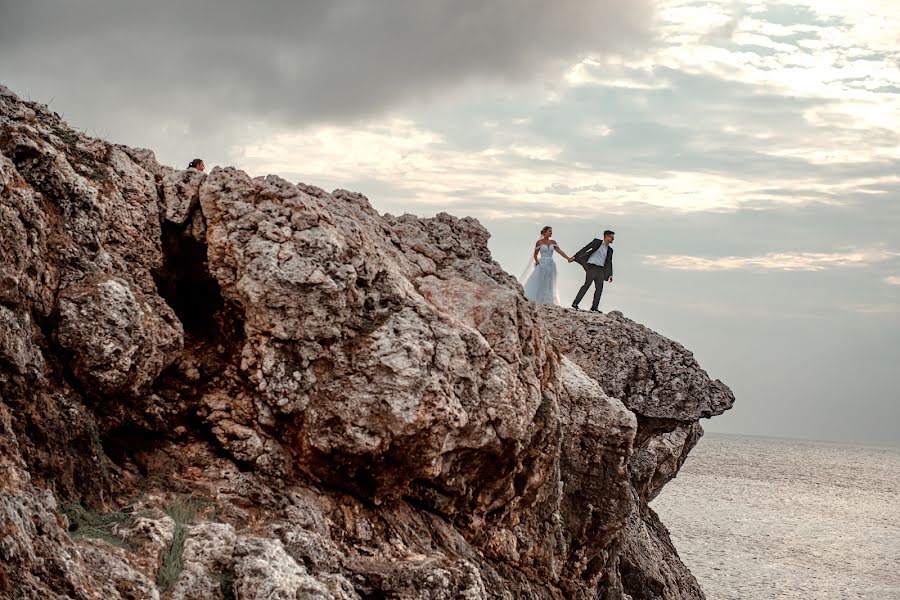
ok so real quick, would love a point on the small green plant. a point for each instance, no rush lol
(100, 526)
(183, 512)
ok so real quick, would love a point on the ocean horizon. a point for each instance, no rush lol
(831, 442)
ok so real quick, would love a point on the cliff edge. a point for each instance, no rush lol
(218, 386)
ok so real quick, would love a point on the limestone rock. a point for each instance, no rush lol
(360, 405)
(654, 376)
(391, 367)
(264, 571)
(114, 576)
(649, 566)
(180, 191)
(208, 560)
(38, 561)
(17, 347)
(119, 341)
(659, 461)
(150, 538)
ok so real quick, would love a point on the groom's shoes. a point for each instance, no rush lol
(596, 310)
(575, 306)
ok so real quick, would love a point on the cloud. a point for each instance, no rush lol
(878, 309)
(329, 93)
(512, 173)
(295, 62)
(317, 91)
(776, 261)
(699, 145)
(892, 280)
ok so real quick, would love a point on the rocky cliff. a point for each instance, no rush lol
(218, 386)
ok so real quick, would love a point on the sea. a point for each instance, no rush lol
(759, 518)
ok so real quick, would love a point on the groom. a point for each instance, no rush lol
(596, 258)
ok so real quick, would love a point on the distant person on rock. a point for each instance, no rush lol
(540, 286)
(198, 164)
(597, 260)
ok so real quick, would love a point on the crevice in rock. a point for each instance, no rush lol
(124, 443)
(350, 475)
(213, 338)
(186, 284)
(370, 593)
(651, 427)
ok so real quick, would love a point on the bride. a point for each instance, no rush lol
(540, 286)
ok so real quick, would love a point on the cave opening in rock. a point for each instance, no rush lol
(193, 293)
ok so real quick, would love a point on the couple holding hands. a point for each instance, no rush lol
(595, 258)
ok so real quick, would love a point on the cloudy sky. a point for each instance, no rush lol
(746, 153)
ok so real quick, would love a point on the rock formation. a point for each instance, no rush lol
(218, 386)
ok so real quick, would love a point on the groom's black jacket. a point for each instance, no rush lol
(582, 256)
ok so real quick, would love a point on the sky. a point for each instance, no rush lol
(747, 154)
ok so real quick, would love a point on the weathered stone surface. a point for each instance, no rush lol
(655, 464)
(38, 561)
(360, 405)
(208, 560)
(180, 191)
(115, 577)
(665, 388)
(149, 538)
(119, 340)
(648, 563)
(391, 367)
(264, 571)
(17, 348)
(654, 376)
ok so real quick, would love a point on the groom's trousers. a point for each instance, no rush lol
(596, 275)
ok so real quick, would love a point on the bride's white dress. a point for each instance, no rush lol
(541, 284)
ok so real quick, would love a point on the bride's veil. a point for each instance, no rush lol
(526, 272)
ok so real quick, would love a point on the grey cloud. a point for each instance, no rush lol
(684, 126)
(786, 14)
(758, 50)
(290, 62)
(681, 126)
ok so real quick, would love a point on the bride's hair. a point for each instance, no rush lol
(544, 230)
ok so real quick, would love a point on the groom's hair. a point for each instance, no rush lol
(608, 232)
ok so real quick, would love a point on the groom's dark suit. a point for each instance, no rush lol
(593, 273)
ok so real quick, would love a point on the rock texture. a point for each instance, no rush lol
(352, 405)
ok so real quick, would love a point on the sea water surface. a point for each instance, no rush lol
(764, 518)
